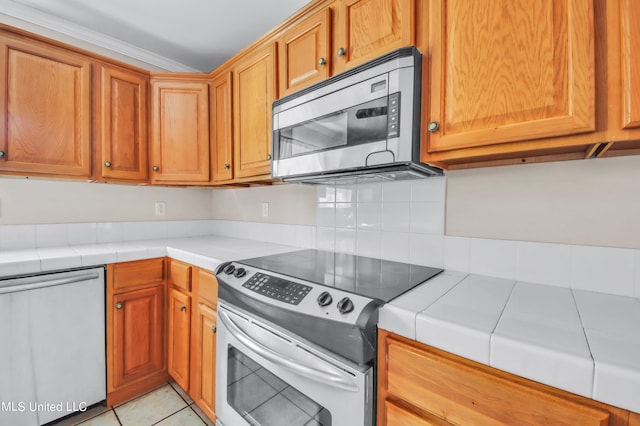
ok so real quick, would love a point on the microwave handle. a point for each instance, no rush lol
(279, 359)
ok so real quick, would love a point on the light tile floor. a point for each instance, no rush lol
(168, 405)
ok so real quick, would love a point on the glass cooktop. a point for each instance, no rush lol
(380, 279)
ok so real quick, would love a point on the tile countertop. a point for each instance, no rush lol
(583, 342)
(206, 252)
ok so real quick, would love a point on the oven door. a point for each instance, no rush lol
(267, 377)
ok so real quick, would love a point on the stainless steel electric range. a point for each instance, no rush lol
(297, 336)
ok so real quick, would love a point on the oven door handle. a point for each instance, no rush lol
(324, 377)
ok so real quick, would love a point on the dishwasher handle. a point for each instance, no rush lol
(48, 283)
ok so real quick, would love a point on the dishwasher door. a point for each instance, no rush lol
(52, 345)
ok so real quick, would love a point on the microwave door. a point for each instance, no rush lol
(321, 134)
(360, 124)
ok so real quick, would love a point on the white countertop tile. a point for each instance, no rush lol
(612, 326)
(462, 320)
(540, 336)
(18, 262)
(399, 315)
(56, 258)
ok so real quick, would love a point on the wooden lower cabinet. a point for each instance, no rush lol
(422, 385)
(179, 337)
(135, 328)
(205, 396)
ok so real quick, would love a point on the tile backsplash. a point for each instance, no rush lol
(402, 221)
(20, 237)
(393, 220)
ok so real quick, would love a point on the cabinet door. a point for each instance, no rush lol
(122, 117)
(630, 53)
(206, 397)
(460, 391)
(509, 70)
(45, 109)
(180, 131)
(222, 128)
(254, 90)
(137, 334)
(179, 337)
(304, 53)
(370, 28)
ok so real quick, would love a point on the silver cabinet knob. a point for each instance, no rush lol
(107, 163)
(183, 308)
(3, 154)
(156, 168)
(214, 328)
(341, 51)
(119, 305)
(433, 126)
(226, 166)
(322, 61)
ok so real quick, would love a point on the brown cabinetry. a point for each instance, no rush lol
(204, 343)
(421, 385)
(45, 109)
(504, 73)
(121, 120)
(179, 129)
(254, 92)
(367, 29)
(222, 127)
(179, 342)
(135, 328)
(304, 54)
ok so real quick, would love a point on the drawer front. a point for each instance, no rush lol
(138, 273)
(208, 287)
(398, 416)
(180, 274)
(463, 392)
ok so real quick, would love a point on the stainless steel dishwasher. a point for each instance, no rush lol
(52, 345)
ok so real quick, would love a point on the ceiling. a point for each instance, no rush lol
(176, 35)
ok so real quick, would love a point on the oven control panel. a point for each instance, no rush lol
(294, 294)
(277, 288)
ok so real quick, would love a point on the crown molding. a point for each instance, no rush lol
(62, 26)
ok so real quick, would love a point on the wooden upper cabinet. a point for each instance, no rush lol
(254, 92)
(180, 130)
(630, 53)
(304, 55)
(509, 70)
(45, 109)
(121, 114)
(222, 127)
(370, 28)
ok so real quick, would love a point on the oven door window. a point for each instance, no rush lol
(261, 398)
(364, 123)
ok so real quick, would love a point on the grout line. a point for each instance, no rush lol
(116, 414)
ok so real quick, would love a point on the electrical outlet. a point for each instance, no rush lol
(161, 208)
(265, 209)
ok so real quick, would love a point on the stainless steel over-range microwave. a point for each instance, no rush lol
(364, 122)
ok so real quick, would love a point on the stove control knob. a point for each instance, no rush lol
(324, 299)
(229, 269)
(240, 272)
(345, 305)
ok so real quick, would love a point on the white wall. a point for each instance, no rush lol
(590, 202)
(39, 201)
(288, 204)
